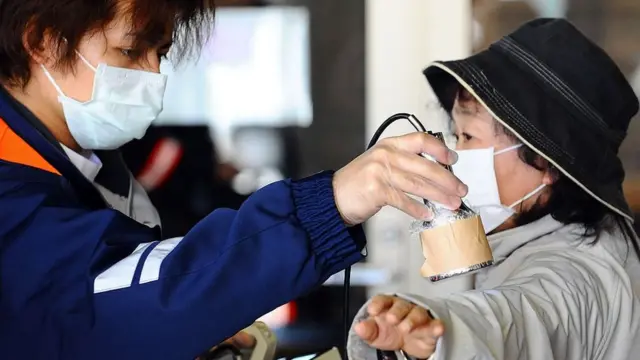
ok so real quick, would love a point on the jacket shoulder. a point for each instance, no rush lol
(18, 181)
(15, 150)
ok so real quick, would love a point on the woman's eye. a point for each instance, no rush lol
(464, 136)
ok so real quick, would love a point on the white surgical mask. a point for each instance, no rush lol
(123, 104)
(475, 168)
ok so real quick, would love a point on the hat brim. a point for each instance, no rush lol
(530, 125)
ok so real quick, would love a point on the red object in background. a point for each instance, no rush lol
(161, 163)
(281, 316)
(178, 165)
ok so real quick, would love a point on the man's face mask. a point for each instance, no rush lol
(475, 168)
(123, 104)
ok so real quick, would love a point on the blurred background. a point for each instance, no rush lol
(287, 88)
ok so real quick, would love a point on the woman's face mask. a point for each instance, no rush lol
(122, 106)
(475, 168)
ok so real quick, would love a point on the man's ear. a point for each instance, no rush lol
(41, 46)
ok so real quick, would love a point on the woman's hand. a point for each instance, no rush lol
(390, 170)
(396, 324)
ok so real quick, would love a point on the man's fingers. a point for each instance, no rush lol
(379, 303)
(408, 182)
(367, 330)
(419, 143)
(408, 205)
(431, 172)
(401, 164)
(417, 317)
(242, 340)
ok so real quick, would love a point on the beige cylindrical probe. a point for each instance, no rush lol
(455, 248)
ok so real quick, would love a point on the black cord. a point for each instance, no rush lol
(347, 272)
(410, 117)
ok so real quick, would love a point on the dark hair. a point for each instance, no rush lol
(67, 22)
(567, 202)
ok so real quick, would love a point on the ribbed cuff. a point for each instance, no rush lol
(335, 244)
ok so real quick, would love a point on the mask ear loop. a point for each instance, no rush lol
(86, 62)
(53, 82)
(507, 149)
(528, 196)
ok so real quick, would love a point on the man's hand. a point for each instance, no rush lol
(396, 324)
(387, 172)
(240, 341)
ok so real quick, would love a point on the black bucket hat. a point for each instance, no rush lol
(559, 93)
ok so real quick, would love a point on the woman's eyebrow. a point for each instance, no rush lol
(464, 110)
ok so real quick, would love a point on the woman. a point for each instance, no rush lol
(85, 272)
(541, 113)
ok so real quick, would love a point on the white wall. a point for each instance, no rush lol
(403, 37)
(254, 71)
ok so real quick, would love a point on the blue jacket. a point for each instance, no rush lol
(79, 280)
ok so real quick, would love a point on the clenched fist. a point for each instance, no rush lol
(390, 170)
(396, 324)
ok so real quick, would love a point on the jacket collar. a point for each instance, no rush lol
(114, 175)
(506, 242)
(89, 164)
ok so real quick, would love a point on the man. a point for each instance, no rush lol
(85, 271)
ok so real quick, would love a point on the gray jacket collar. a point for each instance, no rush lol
(506, 242)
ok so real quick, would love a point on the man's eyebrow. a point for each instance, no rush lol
(160, 41)
(167, 44)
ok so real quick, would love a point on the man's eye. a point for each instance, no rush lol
(163, 52)
(466, 136)
(130, 53)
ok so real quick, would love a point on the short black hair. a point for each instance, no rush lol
(567, 202)
(67, 22)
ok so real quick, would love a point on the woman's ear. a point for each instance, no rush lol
(550, 176)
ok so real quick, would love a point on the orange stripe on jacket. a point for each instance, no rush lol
(15, 150)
